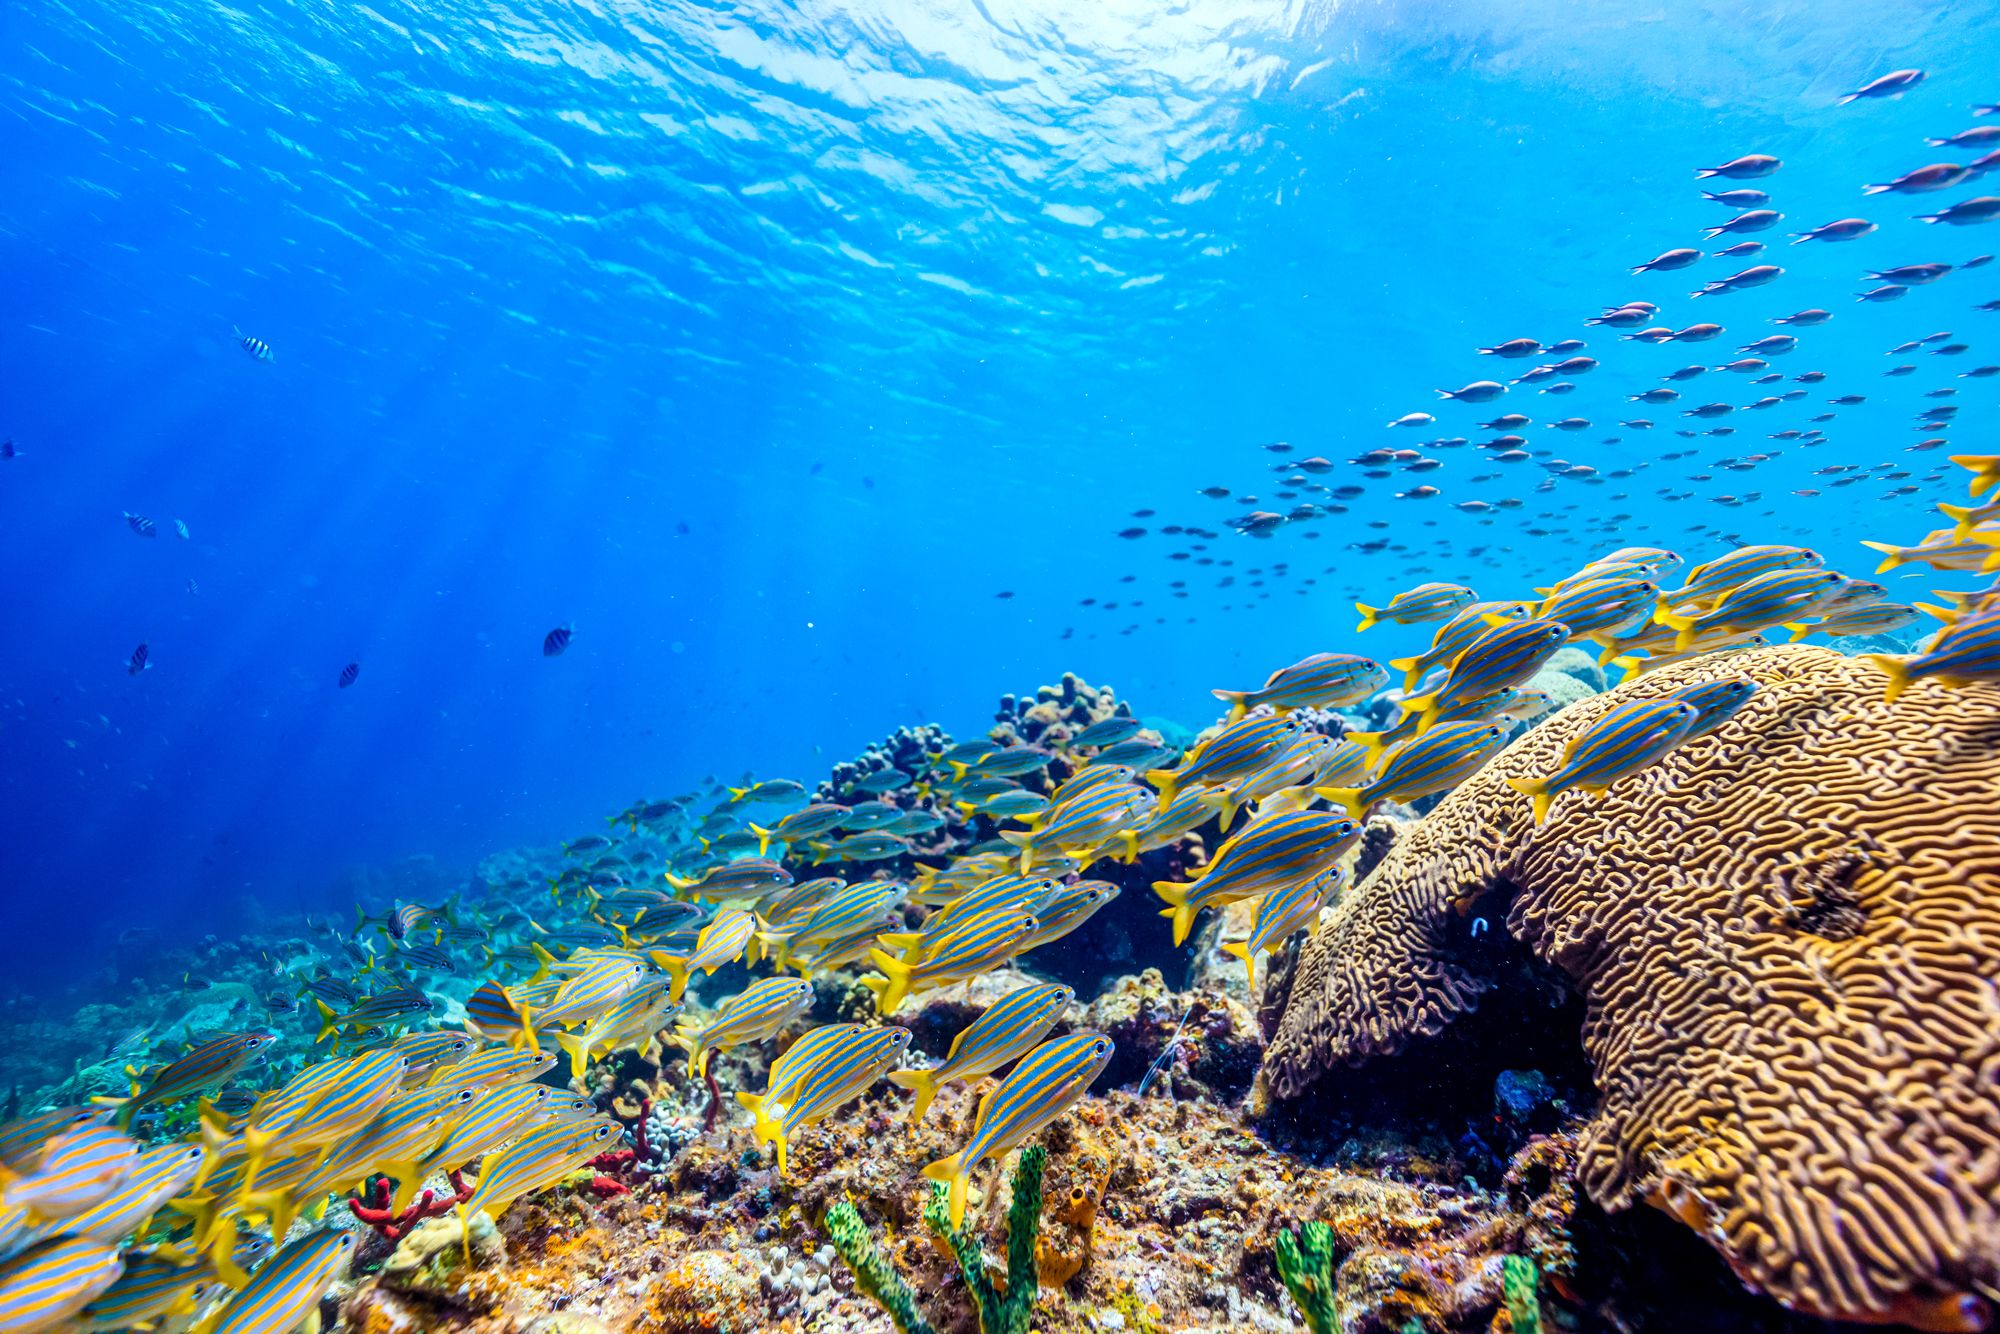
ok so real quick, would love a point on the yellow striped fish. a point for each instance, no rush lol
(285, 1291)
(1265, 856)
(749, 1016)
(1010, 1026)
(46, 1284)
(1042, 1087)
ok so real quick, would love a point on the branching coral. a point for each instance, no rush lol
(1002, 1310)
(1785, 935)
(378, 1212)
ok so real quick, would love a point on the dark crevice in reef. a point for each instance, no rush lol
(1660, 1278)
(1512, 1067)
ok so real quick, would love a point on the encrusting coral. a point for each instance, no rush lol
(1785, 935)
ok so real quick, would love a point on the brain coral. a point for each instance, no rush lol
(1787, 938)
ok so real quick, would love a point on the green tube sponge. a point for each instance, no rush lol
(873, 1273)
(1306, 1264)
(1519, 1278)
(1009, 1311)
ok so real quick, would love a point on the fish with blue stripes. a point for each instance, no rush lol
(631, 1022)
(1502, 658)
(207, 1065)
(1067, 910)
(1715, 702)
(1623, 741)
(1282, 914)
(1425, 602)
(800, 826)
(495, 1069)
(1107, 732)
(1046, 1083)
(158, 1174)
(1455, 636)
(983, 943)
(153, 1285)
(1171, 820)
(78, 1170)
(1434, 762)
(1598, 606)
(1321, 681)
(843, 1073)
(796, 1062)
(1963, 654)
(750, 1015)
(284, 1293)
(46, 1284)
(744, 878)
(600, 983)
(546, 1153)
(1003, 892)
(1010, 1026)
(864, 903)
(424, 1053)
(1263, 857)
(729, 936)
(1767, 600)
(1977, 550)
(1711, 579)
(1231, 753)
(1876, 619)
(1080, 824)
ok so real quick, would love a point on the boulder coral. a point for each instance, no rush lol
(1785, 936)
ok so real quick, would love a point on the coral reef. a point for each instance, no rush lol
(1782, 935)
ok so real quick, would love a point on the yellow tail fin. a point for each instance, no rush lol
(1238, 701)
(890, 989)
(1175, 895)
(763, 837)
(1799, 629)
(1353, 799)
(1683, 625)
(921, 1083)
(328, 1022)
(1241, 949)
(766, 1128)
(1898, 672)
(1372, 745)
(1949, 615)
(1164, 780)
(1891, 556)
(1370, 616)
(1985, 471)
(953, 1171)
(578, 1051)
(1538, 788)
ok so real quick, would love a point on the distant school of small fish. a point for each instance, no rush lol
(1319, 486)
(101, 1229)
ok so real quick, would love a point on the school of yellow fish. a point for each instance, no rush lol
(100, 1231)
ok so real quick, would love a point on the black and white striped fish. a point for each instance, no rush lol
(138, 661)
(348, 673)
(556, 640)
(256, 348)
(140, 524)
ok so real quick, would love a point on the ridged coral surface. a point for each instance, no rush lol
(1787, 936)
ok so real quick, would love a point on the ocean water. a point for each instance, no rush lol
(769, 345)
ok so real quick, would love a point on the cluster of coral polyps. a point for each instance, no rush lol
(1787, 936)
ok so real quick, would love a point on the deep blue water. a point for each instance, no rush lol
(766, 344)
